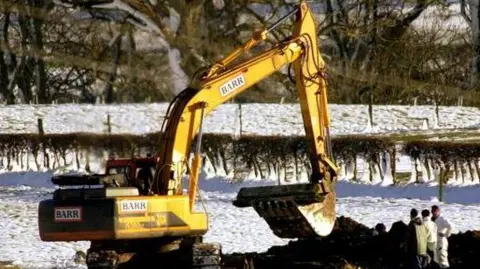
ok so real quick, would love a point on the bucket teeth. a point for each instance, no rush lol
(301, 194)
(292, 211)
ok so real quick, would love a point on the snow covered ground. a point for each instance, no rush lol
(237, 229)
(260, 119)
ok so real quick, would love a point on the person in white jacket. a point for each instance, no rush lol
(444, 230)
(432, 238)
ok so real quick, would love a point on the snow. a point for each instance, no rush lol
(257, 119)
(237, 229)
(449, 17)
(180, 78)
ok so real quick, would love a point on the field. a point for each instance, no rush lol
(256, 119)
(238, 230)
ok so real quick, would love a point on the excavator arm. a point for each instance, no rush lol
(302, 210)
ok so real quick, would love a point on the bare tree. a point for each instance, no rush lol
(369, 44)
(471, 13)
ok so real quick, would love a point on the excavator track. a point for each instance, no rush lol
(206, 256)
(180, 254)
(292, 211)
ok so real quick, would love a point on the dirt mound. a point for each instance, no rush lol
(464, 249)
(346, 225)
(353, 245)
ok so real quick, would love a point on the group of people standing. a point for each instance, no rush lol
(427, 240)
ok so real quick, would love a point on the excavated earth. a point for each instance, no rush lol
(353, 245)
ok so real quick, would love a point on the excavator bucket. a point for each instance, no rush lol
(293, 211)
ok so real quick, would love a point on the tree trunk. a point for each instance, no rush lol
(7, 94)
(37, 44)
(22, 76)
(109, 94)
(475, 26)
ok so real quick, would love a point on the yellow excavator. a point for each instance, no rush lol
(126, 223)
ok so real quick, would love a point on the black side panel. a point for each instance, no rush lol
(76, 216)
(96, 179)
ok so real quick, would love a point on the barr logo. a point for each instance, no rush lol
(68, 214)
(232, 85)
(133, 206)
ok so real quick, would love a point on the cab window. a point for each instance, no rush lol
(116, 170)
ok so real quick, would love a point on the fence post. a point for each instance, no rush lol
(440, 184)
(109, 125)
(240, 117)
(109, 132)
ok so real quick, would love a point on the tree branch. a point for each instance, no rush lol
(463, 11)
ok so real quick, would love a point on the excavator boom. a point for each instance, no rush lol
(300, 210)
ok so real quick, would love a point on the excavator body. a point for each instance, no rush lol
(110, 206)
(118, 213)
(121, 214)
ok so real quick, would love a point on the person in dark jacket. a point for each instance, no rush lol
(417, 241)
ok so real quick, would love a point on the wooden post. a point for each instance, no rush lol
(440, 184)
(393, 164)
(370, 108)
(240, 117)
(109, 125)
(443, 179)
(109, 132)
(40, 126)
(46, 162)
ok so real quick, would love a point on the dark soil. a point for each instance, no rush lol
(353, 245)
